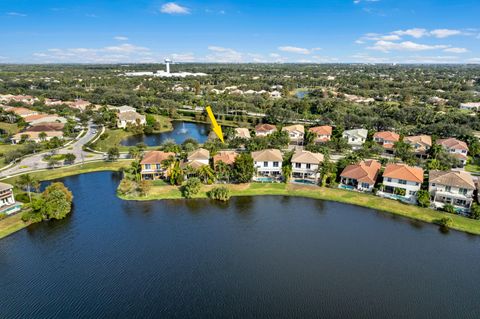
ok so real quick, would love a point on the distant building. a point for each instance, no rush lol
(387, 140)
(34, 136)
(242, 132)
(355, 138)
(130, 118)
(421, 144)
(295, 132)
(470, 106)
(457, 148)
(44, 118)
(265, 129)
(323, 133)
(21, 111)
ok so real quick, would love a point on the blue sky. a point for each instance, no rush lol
(322, 31)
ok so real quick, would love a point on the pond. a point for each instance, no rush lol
(181, 131)
(276, 257)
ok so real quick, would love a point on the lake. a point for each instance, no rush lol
(181, 131)
(275, 257)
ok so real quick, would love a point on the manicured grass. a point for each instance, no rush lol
(473, 166)
(9, 128)
(11, 224)
(74, 170)
(333, 194)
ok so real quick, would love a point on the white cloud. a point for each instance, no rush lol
(183, 57)
(91, 15)
(274, 55)
(110, 54)
(474, 60)
(297, 50)
(415, 32)
(174, 8)
(359, 1)
(456, 50)
(16, 14)
(443, 33)
(387, 46)
(224, 55)
(120, 38)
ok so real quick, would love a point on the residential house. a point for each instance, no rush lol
(402, 182)
(267, 163)
(78, 104)
(295, 132)
(265, 129)
(8, 205)
(305, 165)
(361, 176)
(386, 139)
(470, 106)
(421, 144)
(27, 99)
(355, 138)
(198, 158)
(152, 164)
(46, 127)
(242, 132)
(44, 118)
(125, 108)
(227, 157)
(275, 94)
(125, 119)
(35, 136)
(21, 111)
(53, 102)
(323, 133)
(451, 187)
(457, 148)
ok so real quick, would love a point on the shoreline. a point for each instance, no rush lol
(428, 215)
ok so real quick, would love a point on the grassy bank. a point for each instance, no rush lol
(365, 200)
(14, 223)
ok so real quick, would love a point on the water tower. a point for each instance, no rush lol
(167, 63)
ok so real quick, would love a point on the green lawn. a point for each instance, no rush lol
(473, 165)
(333, 194)
(9, 128)
(11, 224)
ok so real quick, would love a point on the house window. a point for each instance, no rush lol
(265, 164)
(402, 181)
(159, 166)
(389, 179)
(148, 166)
(433, 184)
(275, 164)
(365, 185)
(412, 192)
(298, 165)
(308, 166)
(462, 191)
(448, 188)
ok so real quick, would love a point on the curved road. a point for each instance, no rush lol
(35, 161)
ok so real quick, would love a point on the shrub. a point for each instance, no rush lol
(423, 198)
(444, 222)
(475, 213)
(220, 193)
(126, 187)
(449, 209)
(191, 187)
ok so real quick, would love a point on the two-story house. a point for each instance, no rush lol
(125, 119)
(152, 165)
(227, 157)
(457, 148)
(242, 132)
(361, 176)
(322, 133)
(401, 181)
(305, 165)
(387, 140)
(295, 132)
(265, 129)
(198, 158)
(421, 144)
(7, 201)
(355, 138)
(267, 163)
(451, 187)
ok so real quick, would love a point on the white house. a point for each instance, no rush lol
(198, 158)
(306, 164)
(451, 187)
(7, 201)
(355, 138)
(265, 129)
(361, 176)
(268, 163)
(470, 106)
(402, 182)
(130, 118)
(295, 132)
(457, 148)
(36, 137)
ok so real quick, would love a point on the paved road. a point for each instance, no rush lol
(36, 162)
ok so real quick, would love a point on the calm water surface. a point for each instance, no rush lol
(274, 257)
(181, 131)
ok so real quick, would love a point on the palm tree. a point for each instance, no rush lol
(206, 173)
(223, 171)
(134, 152)
(42, 136)
(27, 182)
(175, 173)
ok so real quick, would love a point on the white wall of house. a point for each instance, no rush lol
(203, 161)
(264, 133)
(361, 186)
(309, 170)
(269, 167)
(354, 141)
(410, 187)
(442, 193)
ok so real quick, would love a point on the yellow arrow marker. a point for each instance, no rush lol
(216, 128)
